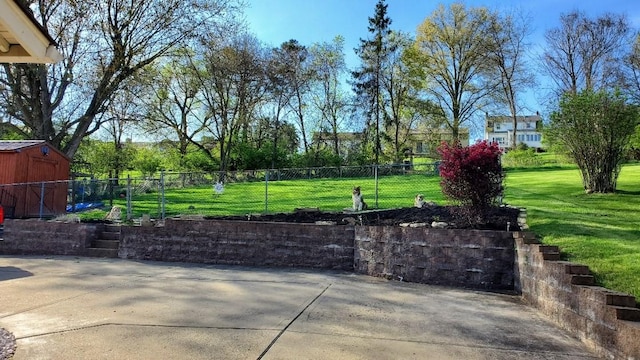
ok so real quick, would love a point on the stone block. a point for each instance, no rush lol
(627, 313)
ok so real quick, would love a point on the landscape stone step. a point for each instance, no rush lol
(105, 244)
(105, 253)
(627, 313)
(620, 299)
(549, 249)
(112, 228)
(107, 235)
(552, 256)
(582, 280)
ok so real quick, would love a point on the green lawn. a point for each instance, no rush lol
(601, 231)
(598, 230)
(285, 196)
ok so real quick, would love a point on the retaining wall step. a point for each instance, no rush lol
(624, 300)
(552, 256)
(577, 269)
(108, 235)
(549, 249)
(627, 313)
(527, 237)
(106, 253)
(582, 280)
(105, 244)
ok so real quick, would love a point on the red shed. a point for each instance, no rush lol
(39, 164)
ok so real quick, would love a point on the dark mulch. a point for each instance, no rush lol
(7, 344)
(497, 218)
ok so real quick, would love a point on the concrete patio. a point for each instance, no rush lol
(88, 308)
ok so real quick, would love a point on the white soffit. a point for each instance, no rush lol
(21, 39)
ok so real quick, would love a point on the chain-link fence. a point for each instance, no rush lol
(227, 193)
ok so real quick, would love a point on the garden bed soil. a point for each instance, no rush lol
(497, 218)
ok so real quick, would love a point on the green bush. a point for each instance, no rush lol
(521, 157)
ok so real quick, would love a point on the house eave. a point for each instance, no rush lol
(22, 39)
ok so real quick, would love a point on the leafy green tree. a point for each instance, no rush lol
(9, 131)
(233, 83)
(403, 106)
(328, 97)
(103, 158)
(634, 144)
(248, 157)
(147, 160)
(260, 148)
(173, 108)
(451, 53)
(104, 43)
(122, 114)
(300, 77)
(280, 89)
(197, 160)
(594, 128)
(316, 158)
(633, 67)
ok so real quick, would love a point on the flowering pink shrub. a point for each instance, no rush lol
(472, 175)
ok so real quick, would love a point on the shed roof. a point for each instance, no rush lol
(17, 145)
(13, 145)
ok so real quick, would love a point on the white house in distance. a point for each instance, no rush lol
(500, 129)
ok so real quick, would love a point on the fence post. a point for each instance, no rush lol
(375, 172)
(162, 201)
(110, 190)
(73, 194)
(266, 191)
(41, 199)
(128, 197)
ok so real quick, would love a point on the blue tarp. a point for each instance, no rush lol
(84, 206)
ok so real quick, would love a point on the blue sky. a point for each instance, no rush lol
(309, 21)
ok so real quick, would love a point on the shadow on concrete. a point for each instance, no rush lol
(12, 272)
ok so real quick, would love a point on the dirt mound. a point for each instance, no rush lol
(447, 216)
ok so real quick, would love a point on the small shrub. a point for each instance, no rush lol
(521, 158)
(472, 176)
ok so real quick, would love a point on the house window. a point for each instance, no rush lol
(497, 126)
(528, 125)
(419, 147)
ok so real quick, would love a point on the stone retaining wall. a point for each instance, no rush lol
(241, 243)
(35, 237)
(607, 321)
(463, 258)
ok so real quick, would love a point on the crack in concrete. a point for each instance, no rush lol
(291, 323)
(79, 328)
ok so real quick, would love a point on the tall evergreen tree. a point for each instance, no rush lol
(367, 83)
